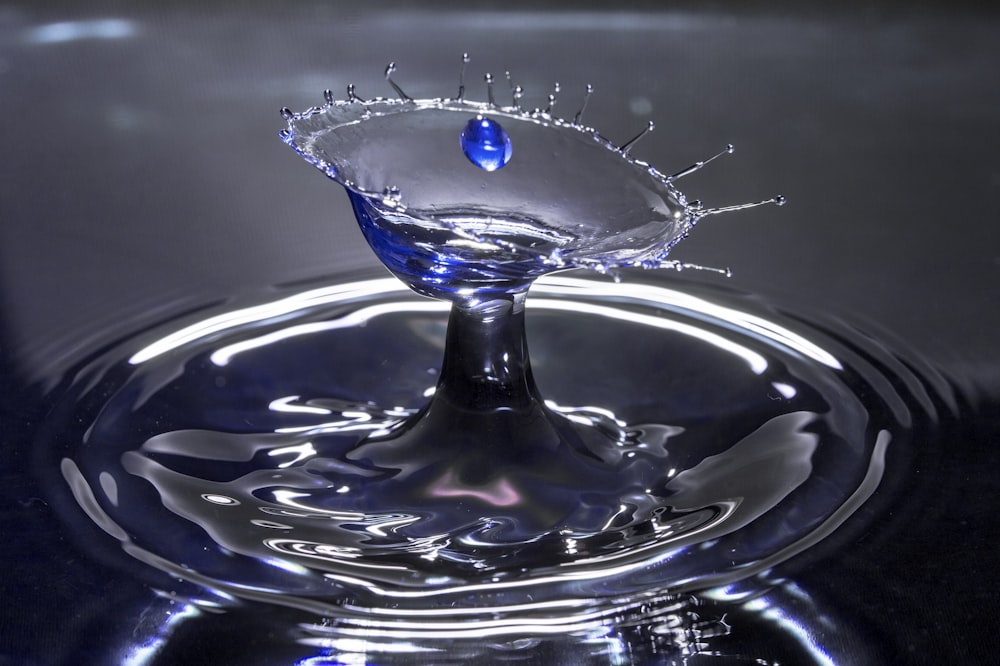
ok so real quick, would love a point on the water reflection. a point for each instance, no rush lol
(239, 473)
(774, 623)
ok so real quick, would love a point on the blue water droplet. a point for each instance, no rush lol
(486, 143)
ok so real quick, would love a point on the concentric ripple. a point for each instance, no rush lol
(730, 438)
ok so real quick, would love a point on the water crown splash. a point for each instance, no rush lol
(496, 227)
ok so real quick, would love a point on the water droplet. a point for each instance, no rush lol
(489, 89)
(552, 98)
(486, 143)
(461, 77)
(513, 89)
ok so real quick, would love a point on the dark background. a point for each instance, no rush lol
(142, 176)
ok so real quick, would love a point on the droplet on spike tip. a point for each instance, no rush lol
(286, 113)
(328, 96)
(777, 201)
(728, 150)
(489, 89)
(461, 77)
(552, 98)
(390, 68)
(627, 146)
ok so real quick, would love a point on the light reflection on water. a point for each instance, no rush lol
(243, 487)
(69, 31)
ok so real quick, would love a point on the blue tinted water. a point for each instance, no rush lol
(485, 142)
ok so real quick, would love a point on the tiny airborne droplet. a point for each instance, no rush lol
(486, 143)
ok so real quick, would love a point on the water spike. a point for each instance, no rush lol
(461, 77)
(352, 94)
(513, 90)
(583, 106)
(627, 146)
(489, 89)
(552, 98)
(518, 94)
(777, 201)
(286, 113)
(390, 68)
(681, 266)
(328, 96)
(728, 150)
